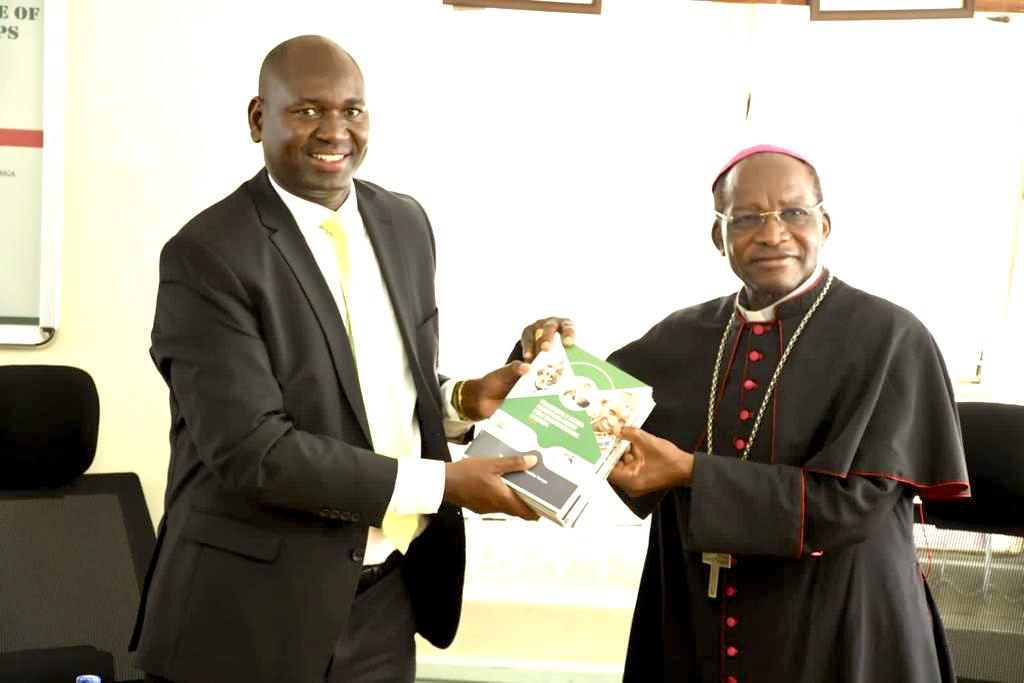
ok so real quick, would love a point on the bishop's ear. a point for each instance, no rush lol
(256, 119)
(716, 236)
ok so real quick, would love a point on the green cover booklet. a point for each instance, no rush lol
(564, 411)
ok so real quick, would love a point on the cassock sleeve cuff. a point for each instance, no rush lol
(745, 507)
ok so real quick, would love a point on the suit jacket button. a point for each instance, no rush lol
(357, 556)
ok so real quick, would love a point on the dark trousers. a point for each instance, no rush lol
(379, 645)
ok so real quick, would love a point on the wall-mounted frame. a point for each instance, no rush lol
(577, 6)
(31, 169)
(890, 9)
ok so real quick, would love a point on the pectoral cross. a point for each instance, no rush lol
(715, 561)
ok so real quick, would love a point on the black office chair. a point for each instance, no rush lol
(974, 559)
(73, 547)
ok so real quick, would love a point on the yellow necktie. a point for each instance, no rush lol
(390, 431)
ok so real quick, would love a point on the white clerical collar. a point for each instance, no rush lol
(307, 213)
(767, 314)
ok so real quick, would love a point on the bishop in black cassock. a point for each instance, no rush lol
(796, 511)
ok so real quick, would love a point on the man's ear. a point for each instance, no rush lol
(256, 119)
(716, 236)
(826, 226)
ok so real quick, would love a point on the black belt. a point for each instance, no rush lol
(372, 573)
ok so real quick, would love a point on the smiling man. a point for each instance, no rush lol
(796, 420)
(312, 120)
(312, 518)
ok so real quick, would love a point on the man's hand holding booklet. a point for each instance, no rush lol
(567, 411)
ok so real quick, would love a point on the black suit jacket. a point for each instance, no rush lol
(273, 481)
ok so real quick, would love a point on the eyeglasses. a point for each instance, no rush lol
(793, 217)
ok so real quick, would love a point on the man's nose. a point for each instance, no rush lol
(333, 126)
(773, 230)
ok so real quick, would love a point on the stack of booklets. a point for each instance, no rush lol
(565, 411)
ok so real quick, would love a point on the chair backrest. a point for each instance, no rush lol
(972, 551)
(74, 547)
(49, 420)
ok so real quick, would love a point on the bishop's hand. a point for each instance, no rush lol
(538, 335)
(651, 464)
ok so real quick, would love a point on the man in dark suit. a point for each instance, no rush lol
(312, 516)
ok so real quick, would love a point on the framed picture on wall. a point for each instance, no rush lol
(31, 169)
(890, 9)
(577, 6)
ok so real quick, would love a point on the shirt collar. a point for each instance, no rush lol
(309, 215)
(767, 314)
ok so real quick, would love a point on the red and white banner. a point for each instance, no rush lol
(21, 160)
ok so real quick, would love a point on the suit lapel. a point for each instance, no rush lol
(286, 237)
(386, 239)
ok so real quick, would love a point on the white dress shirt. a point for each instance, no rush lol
(419, 485)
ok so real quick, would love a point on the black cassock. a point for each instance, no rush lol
(825, 583)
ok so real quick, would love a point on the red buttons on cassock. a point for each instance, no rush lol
(744, 415)
(731, 679)
(740, 444)
(731, 651)
(749, 384)
(759, 329)
(755, 356)
(731, 622)
(730, 591)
